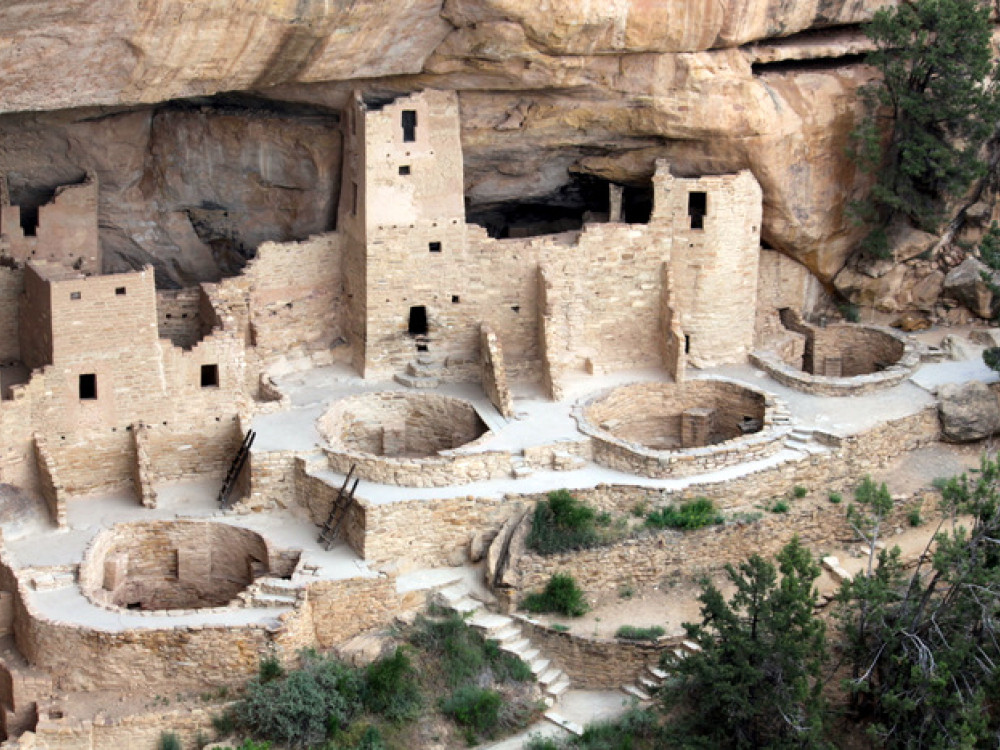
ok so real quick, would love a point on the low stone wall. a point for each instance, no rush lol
(49, 485)
(345, 608)
(272, 478)
(872, 358)
(494, 372)
(142, 476)
(428, 532)
(644, 403)
(594, 663)
(444, 470)
(137, 732)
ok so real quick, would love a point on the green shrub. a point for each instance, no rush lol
(169, 741)
(914, 517)
(224, 724)
(640, 508)
(799, 492)
(562, 523)
(392, 689)
(850, 312)
(693, 514)
(603, 518)
(299, 709)
(836, 498)
(251, 745)
(559, 627)
(270, 669)
(474, 707)
(465, 655)
(561, 595)
(779, 507)
(633, 633)
(626, 591)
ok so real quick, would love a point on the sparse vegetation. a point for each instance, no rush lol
(169, 741)
(914, 518)
(779, 506)
(836, 498)
(562, 523)
(633, 633)
(849, 312)
(475, 708)
(799, 492)
(560, 596)
(694, 514)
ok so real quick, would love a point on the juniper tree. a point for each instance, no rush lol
(930, 112)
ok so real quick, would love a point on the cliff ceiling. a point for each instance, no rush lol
(213, 125)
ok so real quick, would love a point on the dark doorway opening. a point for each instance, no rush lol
(697, 209)
(637, 203)
(418, 321)
(409, 125)
(88, 387)
(29, 220)
(209, 376)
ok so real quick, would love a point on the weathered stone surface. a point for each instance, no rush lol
(969, 411)
(965, 284)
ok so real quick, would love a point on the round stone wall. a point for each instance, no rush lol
(170, 565)
(410, 439)
(843, 360)
(669, 429)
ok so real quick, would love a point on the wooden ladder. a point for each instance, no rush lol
(239, 461)
(338, 511)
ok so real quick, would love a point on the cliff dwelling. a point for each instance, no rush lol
(414, 381)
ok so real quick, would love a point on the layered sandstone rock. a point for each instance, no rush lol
(547, 89)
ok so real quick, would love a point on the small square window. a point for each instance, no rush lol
(455, 299)
(120, 291)
(404, 170)
(434, 247)
(88, 387)
(209, 376)
(74, 295)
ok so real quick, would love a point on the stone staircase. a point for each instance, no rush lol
(802, 439)
(271, 592)
(653, 676)
(505, 630)
(423, 372)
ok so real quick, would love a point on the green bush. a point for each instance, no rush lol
(799, 492)
(693, 514)
(169, 741)
(465, 655)
(633, 633)
(914, 517)
(561, 595)
(779, 507)
(836, 498)
(562, 523)
(299, 709)
(270, 669)
(392, 689)
(474, 707)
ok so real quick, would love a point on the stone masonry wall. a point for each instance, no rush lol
(494, 373)
(11, 287)
(178, 316)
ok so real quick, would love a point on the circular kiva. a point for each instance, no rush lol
(172, 565)
(410, 439)
(677, 429)
(841, 359)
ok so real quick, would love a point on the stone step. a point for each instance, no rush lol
(451, 594)
(490, 623)
(530, 655)
(648, 684)
(636, 692)
(517, 648)
(273, 600)
(691, 646)
(658, 673)
(466, 606)
(549, 676)
(558, 687)
(423, 370)
(521, 471)
(538, 666)
(561, 721)
(425, 358)
(505, 635)
(411, 381)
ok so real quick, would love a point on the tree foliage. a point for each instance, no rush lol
(756, 681)
(923, 645)
(931, 111)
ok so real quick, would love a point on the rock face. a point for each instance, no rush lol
(965, 284)
(547, 90)
(969, 411)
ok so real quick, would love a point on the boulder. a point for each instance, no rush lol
(965, 284)
(985, 336)
(958, 348)
(968, 411)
